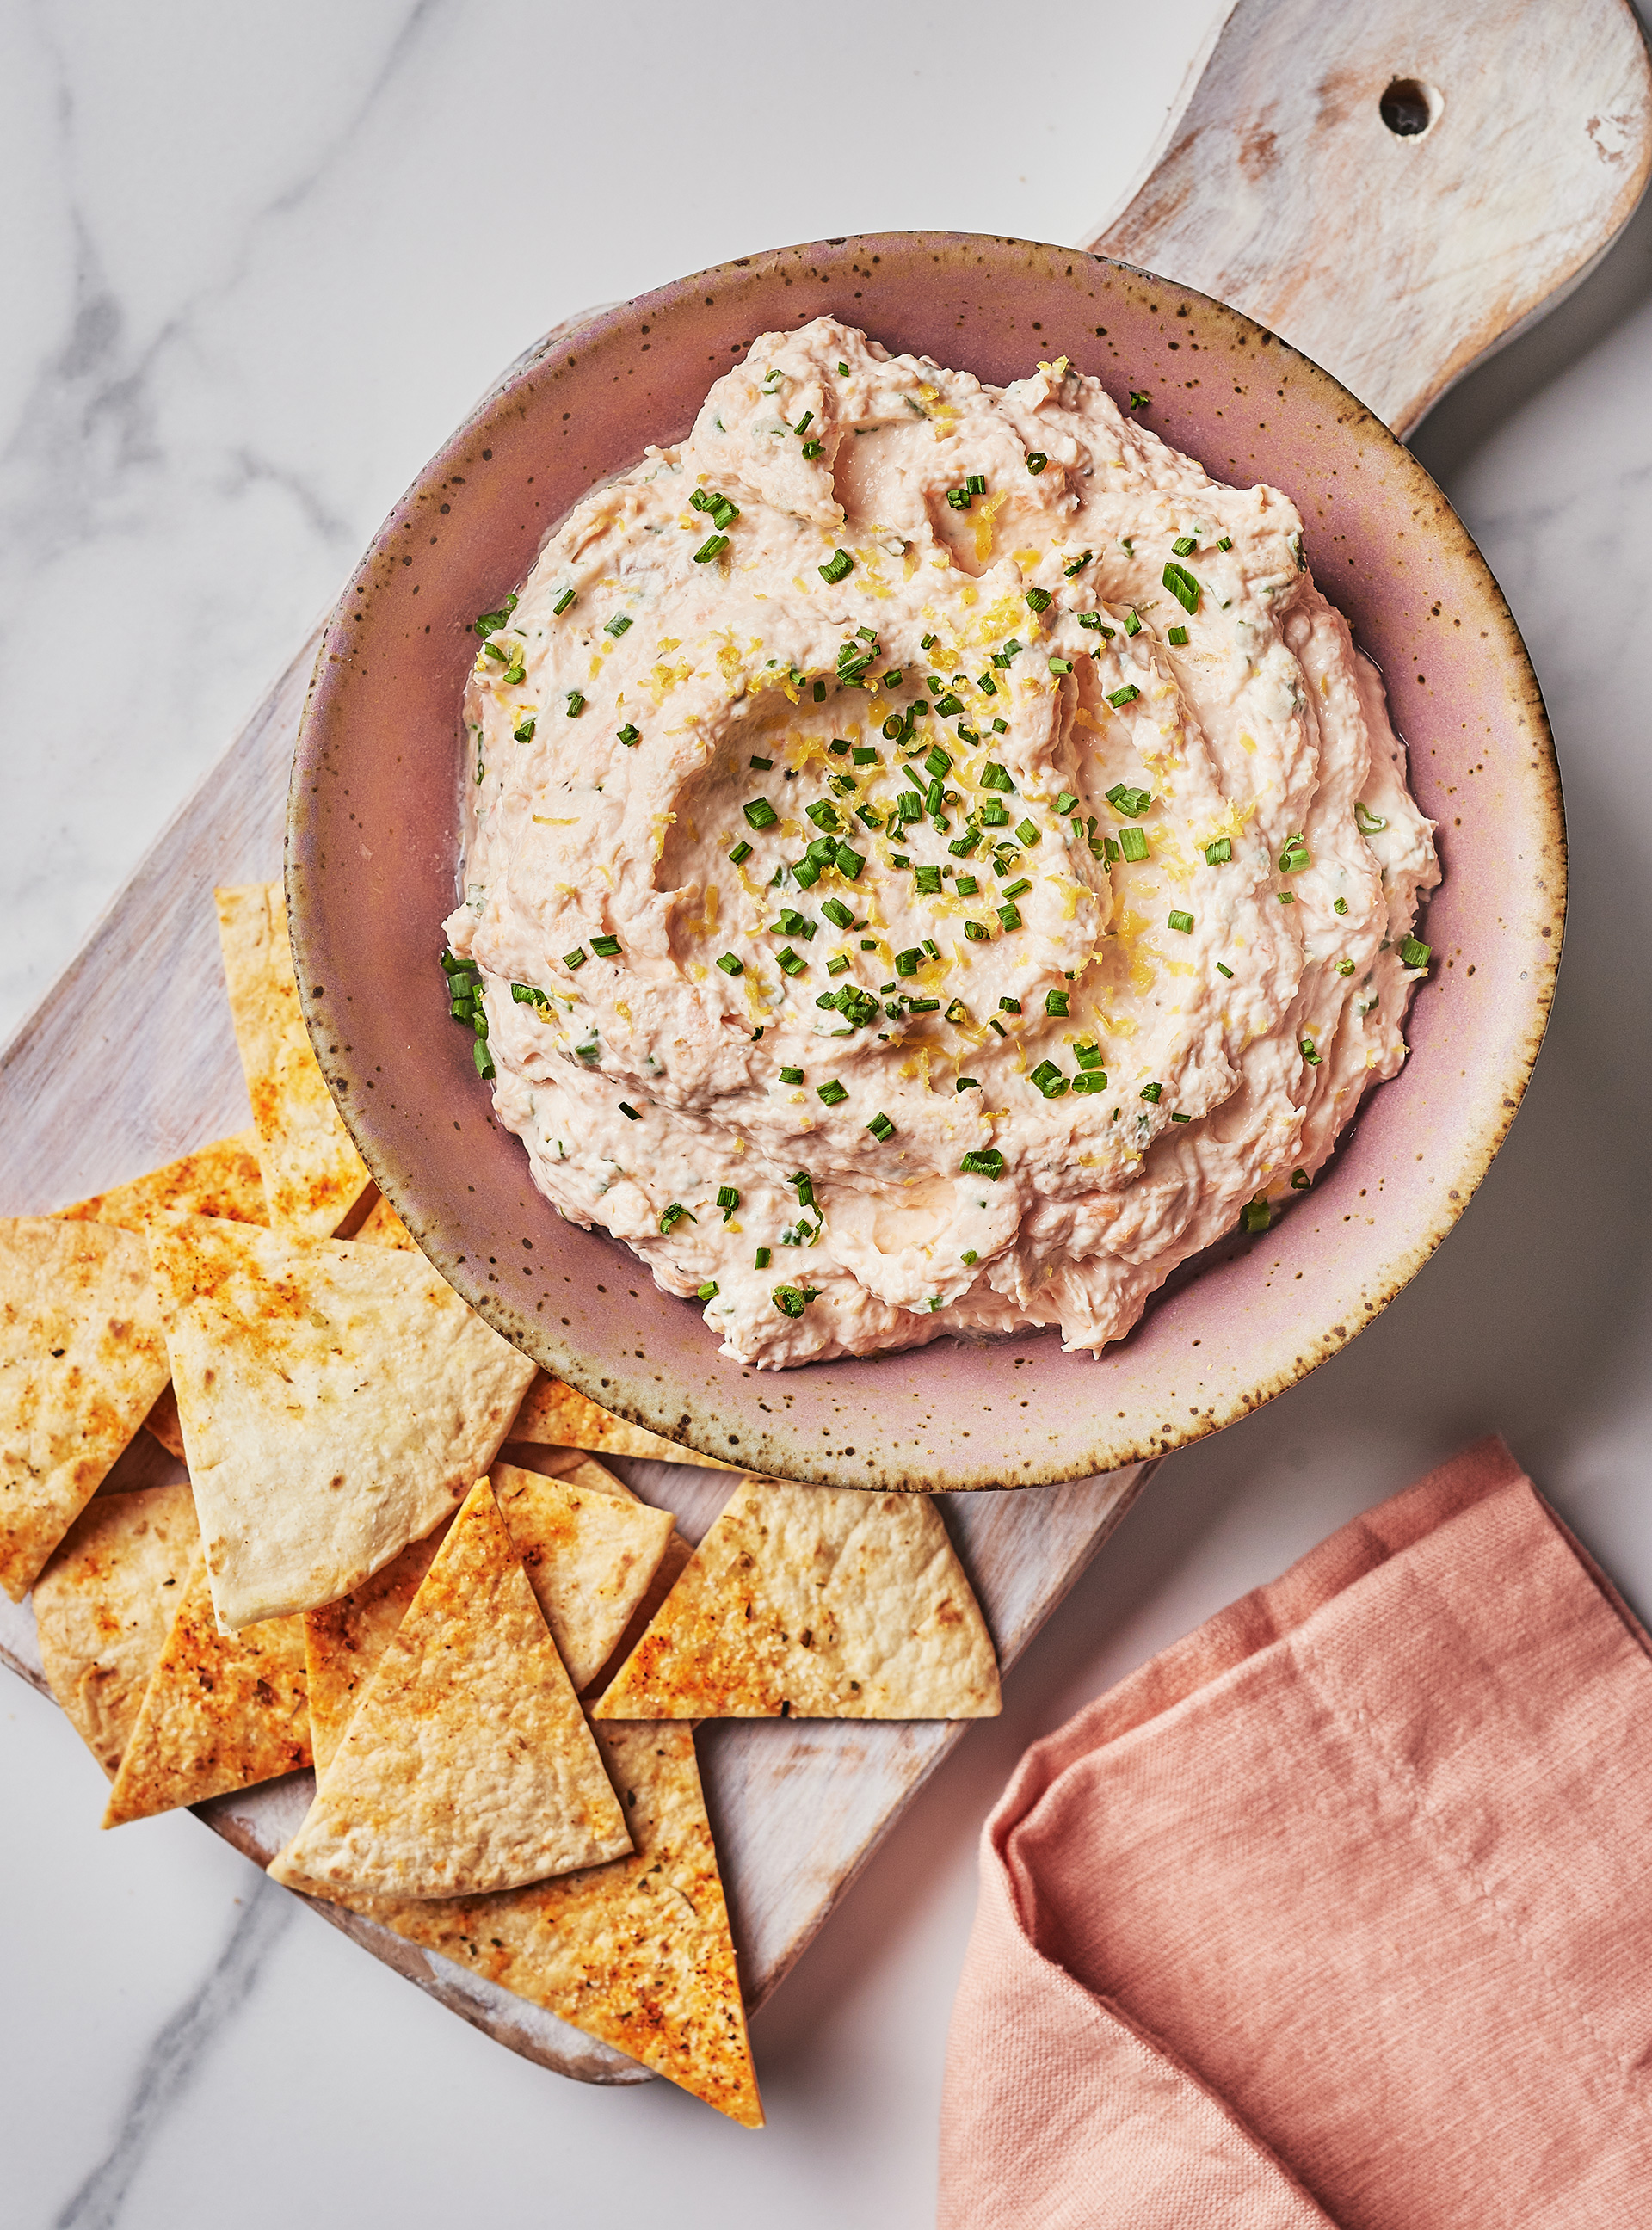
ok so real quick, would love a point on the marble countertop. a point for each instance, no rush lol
(257, 263)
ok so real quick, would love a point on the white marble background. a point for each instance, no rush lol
(254, 264)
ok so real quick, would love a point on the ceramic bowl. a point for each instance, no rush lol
(373, 839)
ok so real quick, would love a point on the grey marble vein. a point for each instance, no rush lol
(168, 2069)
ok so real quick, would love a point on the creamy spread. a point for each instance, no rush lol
(934, 858)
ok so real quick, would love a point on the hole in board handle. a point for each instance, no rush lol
(1409, 107)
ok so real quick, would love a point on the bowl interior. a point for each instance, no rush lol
(373, 839)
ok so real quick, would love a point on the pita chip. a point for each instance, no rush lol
(104, 1604)
(556, 1416)
(221, 1179)
(468, 1766)
(313, 1174)
(382, 1227)
(336, 1401)
(590, 1552)
(637, 1952)
(221, 1711)
(814, 1603)
(81, 1363)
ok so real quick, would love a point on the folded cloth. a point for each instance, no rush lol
(1337, 1911)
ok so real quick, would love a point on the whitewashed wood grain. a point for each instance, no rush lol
(1396, 262)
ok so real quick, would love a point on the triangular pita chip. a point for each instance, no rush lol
(468, 1766)
(637, 1952)
(814, 1603)
(382, 1227)
(336, 1401)
(556, 1416)
(221, 1711)
(313, 1174)
(220, 1179)
(104, 1604)
(81, 1361)
(591, 1550)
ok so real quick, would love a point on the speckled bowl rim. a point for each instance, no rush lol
(774, 1442)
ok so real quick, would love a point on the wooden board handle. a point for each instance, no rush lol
(1396, 190)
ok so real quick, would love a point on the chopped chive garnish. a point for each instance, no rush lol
(1151, 1092)
(1048, 1080)
(837, 568)
(484, 1061)
(563, 601)
(1344, 968)
(1028, 832)
(981, 1160)
(1300, 1180)
(1310, 1053)
(1035, 462)
(708, 1290)
(1088, 1056)
(1179, 920)
(576, 958)
(764, 1255)
(1008, 1006)
(1132, 843)
(1038, 600)
(576, 704)
(881, 1127)
(741, 851)
(804, 422)
(967, 1084)
(976, 484)
(811, 450)
(1367, 822)
(791, 1076)
(605, 947)
(674, 1214)
(628, 1111)
(994, 777)
(712, 547)
(490, 622)
(1096, 623)
(928, 880)
(1078, 564)
(1223, 971)
(1138, 400)
(728, 1200)
(1131, 803)
(1177, 637)
(1001, 727)
(731, 964)
(937, 764)
(1226, 542)
(909, 961)
(529, 995)
(823, 814)
(836, 911)
(1018, 889)
(848, 863)
(524, 734)
(1339, 906)
(790, 962)
(842, 371)
(1132, 621)
(1256, 1214)
(948, 704)
(1056, 1002)
(630, 737)
(958, 498)
(1060, 666)
(1119, 697)
(966, 886)
(1286, 898)
(1181, 1118)
(792, 1300)
(974, 933)
(832, 1092)
(1218, 853)
(1294, 857)
(1414, 953)
(759, 814)
(1183, 545)
(618, 625)
(1010, 916)
(515, 672)
(764, 766)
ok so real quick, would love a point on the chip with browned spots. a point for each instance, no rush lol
(104, 1604)
(557, 1416)
(382, 1227)
(313, 1174)
(221, 1711)
(338, 1401)
(637, 1952)
(81, 1363)
(590, 1552)
(814, 1603)
(466, 1766)
(222, 1178)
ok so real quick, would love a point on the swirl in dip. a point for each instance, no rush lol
(934, 858)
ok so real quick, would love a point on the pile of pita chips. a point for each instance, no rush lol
(82, 1361)
(221, 1711)
(636, 1952)
(313, 1174)
(814, 1603)
(336, 1400)
(466, 1766)
(104, 1604)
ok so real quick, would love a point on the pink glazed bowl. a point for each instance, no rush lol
(372, 843)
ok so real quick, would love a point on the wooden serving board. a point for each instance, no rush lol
(1276, 185)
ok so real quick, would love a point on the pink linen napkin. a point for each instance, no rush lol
(1337, 1911)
